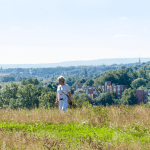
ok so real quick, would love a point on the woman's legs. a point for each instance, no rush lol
(63, 104)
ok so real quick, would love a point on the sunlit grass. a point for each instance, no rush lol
(123, 127)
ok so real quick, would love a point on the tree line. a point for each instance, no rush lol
(31, 94)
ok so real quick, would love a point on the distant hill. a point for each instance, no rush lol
(78, 63)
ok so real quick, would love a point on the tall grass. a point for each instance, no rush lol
(111, 127)
(111, 116)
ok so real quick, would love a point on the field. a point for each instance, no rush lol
(99, 128)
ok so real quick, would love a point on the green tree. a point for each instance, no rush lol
(133, 75)
(123, 78)
(89, 82)
(99, 90)
(50, 86)
(123, 67)
(96, 82)
(138, 82)
(30, 81)
(28, 95)
(23, 82)
(109, 76)
(80, 80)
(8, 78)
(36, 81)
(9, 92)
(142, 73)
(148, 85)
(15, 103)
(129, 97)
(136, 68)
(48, 99)
(130, 69)
(85, 73)
(106, 98)
(79, 91)
(80, 100)
(70, 81)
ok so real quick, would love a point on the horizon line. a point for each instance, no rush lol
(71, 61)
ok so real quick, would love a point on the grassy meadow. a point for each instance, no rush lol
(99, 128)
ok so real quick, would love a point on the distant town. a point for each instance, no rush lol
(141, 95)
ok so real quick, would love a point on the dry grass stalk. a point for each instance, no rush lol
(24, 141)
(119, 116)
(125, 115)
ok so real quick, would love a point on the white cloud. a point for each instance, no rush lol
(123, 18)
(16, 28)
(123, 35)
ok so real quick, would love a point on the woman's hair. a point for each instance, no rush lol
(61, 78)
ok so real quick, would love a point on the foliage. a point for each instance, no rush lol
(70, 81)
(81, 100)
(15, 103)
(89, 82)
(7, 78)
(79, 91)
(30, 81)
(106, 98)
(129, 97)
(53, 86)
(79, 80)
(47, 99)
(138, 82)
(142, 73)
(148, 85)
(123, 78)
(9, 92)
(99, 90)
(28, 96)
(133, 75)
(108, 76)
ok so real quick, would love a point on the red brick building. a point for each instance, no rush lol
(94, 87)
(89, 91)
(118, 89)
(142, 95)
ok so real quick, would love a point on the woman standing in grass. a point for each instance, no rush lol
(63, 96)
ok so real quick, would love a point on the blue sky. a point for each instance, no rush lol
(50, 31)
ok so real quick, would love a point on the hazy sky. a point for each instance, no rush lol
(49, 31)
